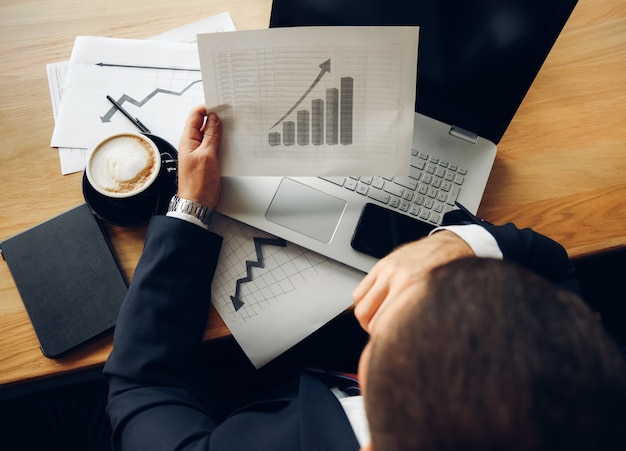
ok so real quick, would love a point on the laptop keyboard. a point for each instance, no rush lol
(428, 192)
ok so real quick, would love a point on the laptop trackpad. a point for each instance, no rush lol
(306, 210)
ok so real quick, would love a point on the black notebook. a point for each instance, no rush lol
(68, 277)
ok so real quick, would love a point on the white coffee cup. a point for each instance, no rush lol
(123, 165)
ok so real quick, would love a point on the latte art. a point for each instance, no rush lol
(123, 165)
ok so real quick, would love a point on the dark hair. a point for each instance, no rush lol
(495, 358)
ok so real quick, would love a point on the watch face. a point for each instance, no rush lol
(138, 210)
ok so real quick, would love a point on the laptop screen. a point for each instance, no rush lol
(477, 58)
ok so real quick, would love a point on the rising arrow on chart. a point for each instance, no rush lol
(325, 67)
(126, 98)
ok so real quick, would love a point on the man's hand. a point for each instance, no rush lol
(398, 277)
(198, 164)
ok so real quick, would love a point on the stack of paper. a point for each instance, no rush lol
(156, 80)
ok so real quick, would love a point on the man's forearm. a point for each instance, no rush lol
(526, 247)
(165, 311)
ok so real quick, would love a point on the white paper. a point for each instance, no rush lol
(157, 82)
(188, 33)
(272, 89)
(286, 292)
(56, 79)
(73, 159)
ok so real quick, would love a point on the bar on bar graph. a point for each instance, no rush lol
(332, 116)
(302, 121)
(317, 122)
(289, 133)
(346, 109)
(274, 139)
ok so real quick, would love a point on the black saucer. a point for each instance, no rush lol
(138, 210)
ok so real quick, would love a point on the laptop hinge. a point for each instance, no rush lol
(465, 135)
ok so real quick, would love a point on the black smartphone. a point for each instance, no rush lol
(380, 230)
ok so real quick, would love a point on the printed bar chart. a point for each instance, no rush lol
(328, 121)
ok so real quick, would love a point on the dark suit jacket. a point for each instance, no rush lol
(160, 328)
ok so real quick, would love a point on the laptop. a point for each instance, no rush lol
(477, 59)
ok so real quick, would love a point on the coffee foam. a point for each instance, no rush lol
(122, 165)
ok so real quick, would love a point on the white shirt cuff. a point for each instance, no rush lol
(478, 238)
(188, 218)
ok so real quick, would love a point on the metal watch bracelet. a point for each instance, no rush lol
(195, 209)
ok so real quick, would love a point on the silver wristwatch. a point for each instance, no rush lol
(199, 211)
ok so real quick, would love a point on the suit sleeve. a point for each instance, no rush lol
(528, 248)
(158, 333)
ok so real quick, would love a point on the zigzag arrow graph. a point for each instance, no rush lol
(139, 103)
(259, 263)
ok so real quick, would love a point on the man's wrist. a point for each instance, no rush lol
(189, 210)
(478, 238)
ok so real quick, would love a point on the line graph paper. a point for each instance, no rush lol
(157, 82)
(125, 98)
(150, 91)
(285, 268)
(295, 292)
(258, 262)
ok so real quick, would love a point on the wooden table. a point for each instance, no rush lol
(560, 167)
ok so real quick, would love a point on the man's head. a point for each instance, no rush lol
(492, 357)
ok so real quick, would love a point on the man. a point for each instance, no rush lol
(489, 356)
(474, 350)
